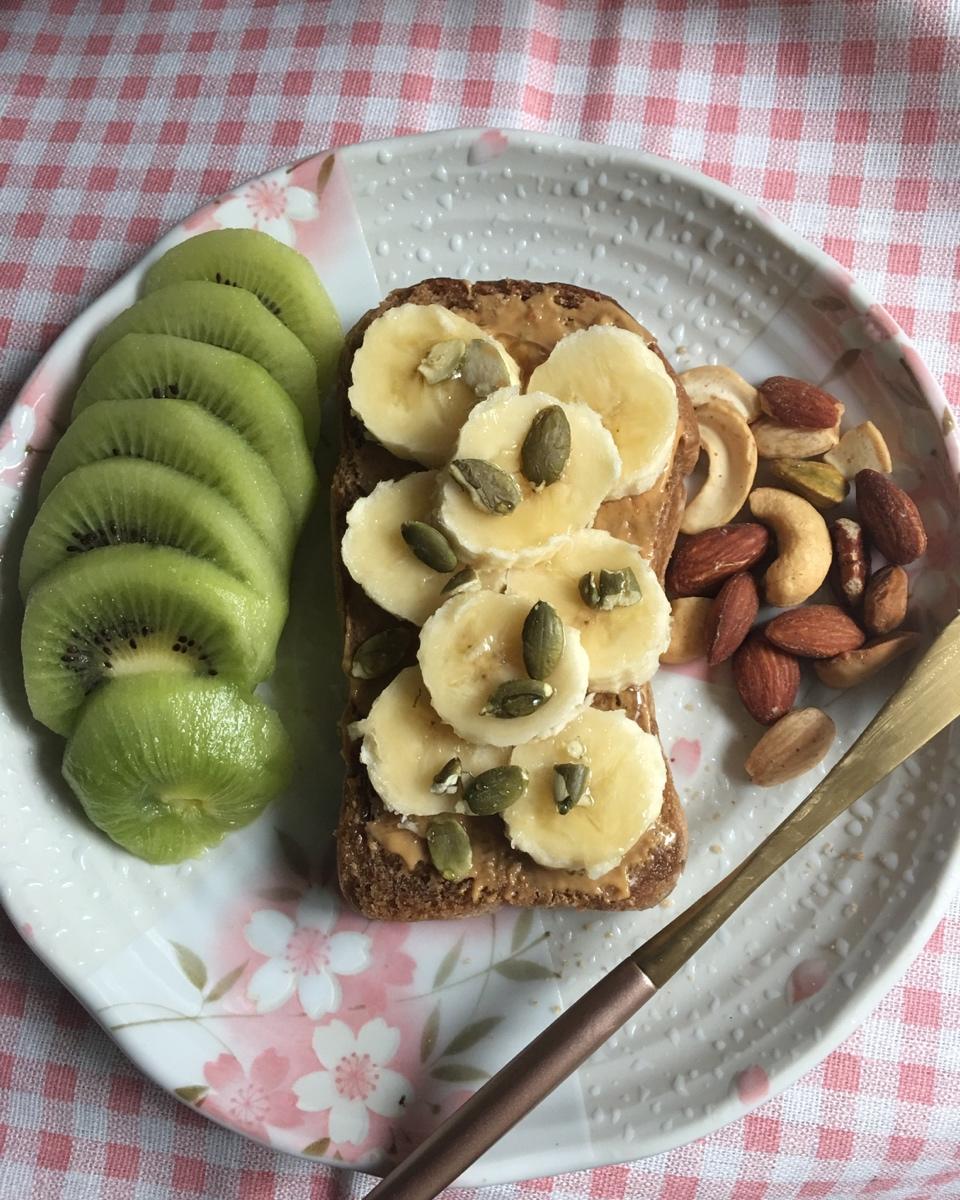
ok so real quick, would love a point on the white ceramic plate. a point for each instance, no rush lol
(238, 981)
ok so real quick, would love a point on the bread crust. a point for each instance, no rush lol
(376, 880)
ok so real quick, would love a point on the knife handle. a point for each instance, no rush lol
(518, 1087)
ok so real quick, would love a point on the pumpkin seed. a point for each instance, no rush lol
(494, 790)
(609, 589)
(569, 785)
(381, 653)
(447, 779)
(464, 581)
(546, 448)
(589, 591)
(484, 367)
(429, 545)
(543, 640)
(449, 846)
(618, 589)
(442, 361)
(489, 488)
(517, 698)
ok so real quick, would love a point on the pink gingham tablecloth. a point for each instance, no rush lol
(117, 117)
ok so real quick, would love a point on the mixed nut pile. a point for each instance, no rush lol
(722, 567)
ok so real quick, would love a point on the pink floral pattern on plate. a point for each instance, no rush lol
(333, 1035)
(270, 205)
(303, 955)
(251, 1100)
(355, 1079)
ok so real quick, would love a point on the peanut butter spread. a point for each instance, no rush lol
(404, 843)
(492, 866)
(529, 328)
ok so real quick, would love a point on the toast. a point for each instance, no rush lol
(384, 868)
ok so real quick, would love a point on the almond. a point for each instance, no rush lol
(732, 613)
(885, 600)
(766, 677)
(792, 747)
(797, 404)
(815, 631)
(850, 569)
(890, 517)
(703, 560)
(857, 666)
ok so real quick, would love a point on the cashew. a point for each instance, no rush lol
(688, 630)
(857, 666)
(721, 385)
(781, 441)
(732, 465)
(804, 551)
(862, 446)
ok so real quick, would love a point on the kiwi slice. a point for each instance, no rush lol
(122, 610)
(227, 317)
(167, 765)
(121, 500)
(184, 436)
(233, 388)
(279, 276)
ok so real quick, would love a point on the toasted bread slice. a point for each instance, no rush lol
(384, 868)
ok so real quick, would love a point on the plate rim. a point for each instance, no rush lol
(932, 901)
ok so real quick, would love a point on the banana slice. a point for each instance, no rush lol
(623, 799)
(378, 558)
(623, 644)
(470, 646)
(618, 375)
(546, 516)
(416, 419)
(405, 744)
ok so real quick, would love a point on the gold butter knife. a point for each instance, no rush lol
(927, 702)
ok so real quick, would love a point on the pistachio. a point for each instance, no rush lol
(484, 367)
(517, 698)
(569, 785)
(546, 447)
(447, 779)
(449, 846)
(607, 590)
(380, 653)
(818, 482)
(543, 640)
(492, 791)
(429, 545)
(488, 487)
(442, 361)
(464, 581)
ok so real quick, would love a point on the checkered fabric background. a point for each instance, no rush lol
(118, 117)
